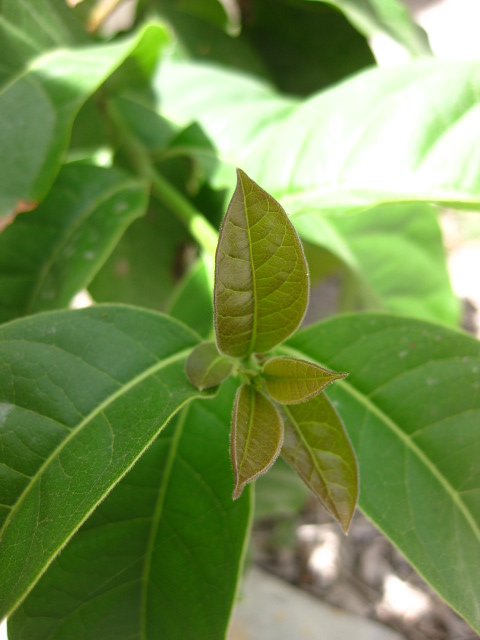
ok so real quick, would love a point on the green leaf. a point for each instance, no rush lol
(388, 271)
(328, 152)
(328, 50)
(290, 381)
(390, 17)
(82, 395)
(261, 280)
(319, 450)
(411, 406)
(146, 263)
(161, 556)
(45, 23)
(38, 107)
(279, 492)
(205, 367)
(50, 254)
(191, 302)
(256, 438)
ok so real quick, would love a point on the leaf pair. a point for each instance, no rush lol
(260, 298)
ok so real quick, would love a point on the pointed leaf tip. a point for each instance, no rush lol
(289, 380)
(261, 277)
(205, 367)
(256, 437)
(316, 445)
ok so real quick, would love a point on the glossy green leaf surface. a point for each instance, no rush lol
(160, 557)
(83, 394)
(329, 152)
(390, 17)
(319, 450)
(38, 106)
(261, 279)
(289, 380)
(411, 406)
(50, 254)
(256, 438)
(205, 367)
(388, 269)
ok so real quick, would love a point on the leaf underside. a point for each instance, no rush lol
(289, 380)
(256, 437)
(318, 448)
(411, 406)
(205, 367)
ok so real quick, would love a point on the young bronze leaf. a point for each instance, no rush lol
(290, 381)
(318, 448)
(257, 436)
(261, 279)
(205, 367)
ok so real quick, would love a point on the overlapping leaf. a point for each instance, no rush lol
(82, 395)
(385, 135)
(318, 448)
(256, 438)
(289, 380)
(205, 367)
(51, 253)
(261, 280)
(37, 109)
(160, 557)
(403, 272)
(389, 17)
(411, 406)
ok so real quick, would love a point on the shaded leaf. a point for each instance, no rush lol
(171, 515)
(205, 367)
(390, 17)
(280, 492)
(46, 23)
(191, 301)
(290, 381)
(256, 438)
(319, 450)
(411, 406)
(329, 49)
(50, 254)
(38, 107)
(82, 395)
(146, 263)
(261, 280)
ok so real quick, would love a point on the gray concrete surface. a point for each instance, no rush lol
(271, 609)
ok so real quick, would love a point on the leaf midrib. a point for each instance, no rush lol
(157, 514)
(408, 442)
(66, 236)
(98, 409)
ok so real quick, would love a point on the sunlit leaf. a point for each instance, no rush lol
(261, 280)
(318, 448)
(37, 109)
(205, 367)
(289, 380)
(257, 436)
(50, 254)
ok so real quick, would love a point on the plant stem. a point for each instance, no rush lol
(196, 223)
(200, 228)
